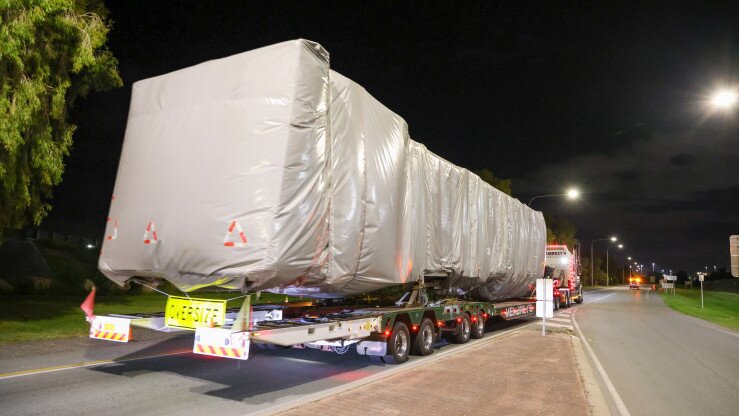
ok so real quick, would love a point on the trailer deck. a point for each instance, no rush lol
(389, 332)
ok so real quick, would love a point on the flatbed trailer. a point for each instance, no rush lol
(391, 333)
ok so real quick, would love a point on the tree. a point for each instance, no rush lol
(599, 264)
(51, 53)
(503, 185)
(560, 231)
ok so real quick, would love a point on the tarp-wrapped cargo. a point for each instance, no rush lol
(268, 171)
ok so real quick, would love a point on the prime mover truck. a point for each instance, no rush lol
(563, 266)
(267, 171)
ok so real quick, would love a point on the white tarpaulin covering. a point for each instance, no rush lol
(267, 171)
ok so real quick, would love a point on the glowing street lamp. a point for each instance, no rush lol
(724, 99)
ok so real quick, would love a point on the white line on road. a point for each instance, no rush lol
(549, 323)
(611, 388)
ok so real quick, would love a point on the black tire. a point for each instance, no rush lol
(464, 330)
(478, 328)
(580, 298)
(569, 300)
(556, 303)
(423, 343)
(398, 345)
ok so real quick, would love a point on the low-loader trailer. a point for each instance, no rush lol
(389, 333)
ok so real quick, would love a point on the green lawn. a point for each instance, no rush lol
(719, 307)
(43, 317)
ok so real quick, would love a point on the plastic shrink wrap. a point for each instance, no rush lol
(268, 171)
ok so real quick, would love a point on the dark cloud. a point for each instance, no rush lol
(682, 160)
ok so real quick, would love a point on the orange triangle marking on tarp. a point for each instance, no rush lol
(150, 236)
(235, 226)
(115, 230)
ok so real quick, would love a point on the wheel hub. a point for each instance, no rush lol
(428, 337)
(401, 343)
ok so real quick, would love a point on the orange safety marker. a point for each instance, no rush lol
(113, 336)
(240, 231)
(115, 230)
(150, 236)
(218, 351)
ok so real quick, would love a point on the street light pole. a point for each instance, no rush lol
(608, 276)
(592, 269)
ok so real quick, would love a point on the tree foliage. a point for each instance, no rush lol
(560, 231)
(503, 185)
(599, 265)
(51, 53)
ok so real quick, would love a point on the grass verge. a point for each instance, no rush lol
(719, 307)
(45, 317)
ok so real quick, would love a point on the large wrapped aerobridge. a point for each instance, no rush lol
(268, 171)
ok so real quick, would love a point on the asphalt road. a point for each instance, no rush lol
(114, 379)
(661, 362)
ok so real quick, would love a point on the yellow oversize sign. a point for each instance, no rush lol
(192, 313)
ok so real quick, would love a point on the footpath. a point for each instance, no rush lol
(523, 373)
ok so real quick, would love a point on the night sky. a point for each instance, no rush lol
(610, 98)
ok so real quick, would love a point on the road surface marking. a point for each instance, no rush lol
(611, 388)
(557, 325)
(565, 312)
(84, 365)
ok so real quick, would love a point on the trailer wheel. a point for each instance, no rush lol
(398, 345)
(478, 328)
(423, 344)
(463, 330)
(569, 300)
(580, 298)
(556, 303)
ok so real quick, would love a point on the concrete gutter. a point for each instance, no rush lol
(596, 399)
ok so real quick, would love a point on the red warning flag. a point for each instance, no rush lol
(150, 236)
(240, 232)
(88, 305)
